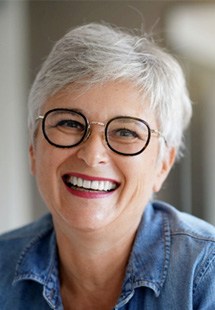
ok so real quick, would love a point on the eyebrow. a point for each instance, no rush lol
(74, 109)
(85, 113)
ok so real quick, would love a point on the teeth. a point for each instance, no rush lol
(101, 185)
(107, 185)
(86, 184)
(93, 185)
(75, 181)
(80, 182)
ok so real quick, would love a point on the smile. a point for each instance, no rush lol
(85, 184)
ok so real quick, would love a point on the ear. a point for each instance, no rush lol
(164, 167)
(32, 160)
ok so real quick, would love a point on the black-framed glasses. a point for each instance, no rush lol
(125, 135)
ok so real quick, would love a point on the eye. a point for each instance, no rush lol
(70, 124)
(125, 133)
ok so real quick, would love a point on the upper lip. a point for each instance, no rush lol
(90, 182)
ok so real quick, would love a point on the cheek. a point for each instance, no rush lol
(46, 175)
(146, 174)
(43, 161)
(140, 174)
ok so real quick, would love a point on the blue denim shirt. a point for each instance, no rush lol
(171, 266)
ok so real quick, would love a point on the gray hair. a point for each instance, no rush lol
(96, 53)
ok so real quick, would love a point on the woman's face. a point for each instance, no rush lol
(133, 178)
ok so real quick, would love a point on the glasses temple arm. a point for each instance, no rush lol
(158, 133)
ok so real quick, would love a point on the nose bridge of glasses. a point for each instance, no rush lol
(94, 123)
(89, 131)
(97, 123)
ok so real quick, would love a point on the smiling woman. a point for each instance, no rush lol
(101, 152)
(107, 113)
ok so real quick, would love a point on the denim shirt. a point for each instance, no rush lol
(171, 265)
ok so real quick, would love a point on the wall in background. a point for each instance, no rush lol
(15, 189)
(191, 33)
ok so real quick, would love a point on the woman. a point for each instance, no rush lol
(107, 113)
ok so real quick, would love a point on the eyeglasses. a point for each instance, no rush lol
(124, 135)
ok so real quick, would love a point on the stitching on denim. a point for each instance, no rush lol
(193, 235)
(22, 256)
(203, 270)
(167, 245)
(52, 295)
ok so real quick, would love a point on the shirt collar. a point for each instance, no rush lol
(38, 262)
(148, 263)
(149, 259)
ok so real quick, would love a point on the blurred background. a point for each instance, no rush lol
(28, 30)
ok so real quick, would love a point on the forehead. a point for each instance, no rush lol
(102, 101)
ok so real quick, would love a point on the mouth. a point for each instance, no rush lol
(84, 183)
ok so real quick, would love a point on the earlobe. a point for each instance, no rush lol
(32, 159)
(164, 169)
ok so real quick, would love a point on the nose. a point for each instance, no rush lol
(93, 150)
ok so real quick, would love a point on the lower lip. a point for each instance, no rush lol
(89, 194)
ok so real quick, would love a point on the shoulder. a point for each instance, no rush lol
(182, 223)
(13, 242)
(29, 230)
(25, 255)
(192, 244)
(189, 256)
(192, 253)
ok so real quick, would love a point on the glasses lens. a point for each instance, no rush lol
(64, 128)
(127, 136)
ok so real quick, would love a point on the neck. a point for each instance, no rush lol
(92, 262)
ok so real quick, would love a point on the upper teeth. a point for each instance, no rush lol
(95, 185)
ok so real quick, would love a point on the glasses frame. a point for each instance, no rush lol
(87, 130)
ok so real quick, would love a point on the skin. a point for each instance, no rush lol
(95, 234)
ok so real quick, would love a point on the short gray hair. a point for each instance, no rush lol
(96, 53)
